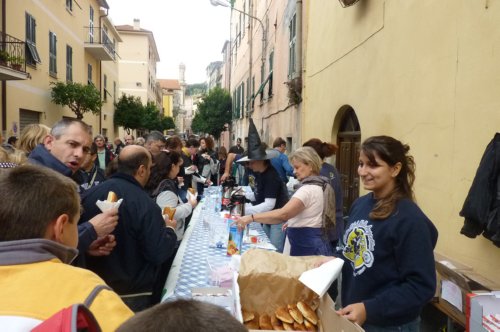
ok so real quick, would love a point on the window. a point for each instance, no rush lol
(89, 74)
(242, 99)
(291, 47)
(105, 83)
(243, 27)
(249, 96)
(234, 104)
(114, 91)
(270, 83)
(238, 98)
(91, 25)
(69, 63)
(52, 54)
(32, 56)
(262, 73)
(253, 90)
(69, 5)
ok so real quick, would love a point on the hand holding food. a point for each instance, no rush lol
(104, 223)
(170, 222)
(170, 212)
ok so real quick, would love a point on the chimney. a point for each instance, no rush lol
(137, 24)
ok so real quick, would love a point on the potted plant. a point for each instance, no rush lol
(16, 62)
(4, 57)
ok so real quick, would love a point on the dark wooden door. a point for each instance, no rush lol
(349, 141)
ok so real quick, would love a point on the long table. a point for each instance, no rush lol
(189, 268)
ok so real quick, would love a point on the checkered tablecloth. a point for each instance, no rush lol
(190, 268)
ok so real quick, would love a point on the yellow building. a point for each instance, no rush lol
(171, 91)
(138, 58)
(423, 71)
(264, 63)
(65, 41)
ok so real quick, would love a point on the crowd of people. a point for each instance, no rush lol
(54, 233)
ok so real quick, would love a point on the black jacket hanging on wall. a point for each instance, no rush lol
(481, 208)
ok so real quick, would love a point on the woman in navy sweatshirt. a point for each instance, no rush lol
(389, 273)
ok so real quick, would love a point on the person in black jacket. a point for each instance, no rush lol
(144, 239)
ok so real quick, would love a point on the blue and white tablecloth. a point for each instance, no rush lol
(190, 268)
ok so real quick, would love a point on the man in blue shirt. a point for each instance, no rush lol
(281, 163)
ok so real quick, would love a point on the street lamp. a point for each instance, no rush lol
(224, 3)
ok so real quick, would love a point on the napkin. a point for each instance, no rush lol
(321, 278)
(105, 205)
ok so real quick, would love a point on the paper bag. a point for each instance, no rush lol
(268, 280)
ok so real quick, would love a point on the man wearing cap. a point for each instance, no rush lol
(270, 192)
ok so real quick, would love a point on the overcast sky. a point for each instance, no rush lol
(188, 31)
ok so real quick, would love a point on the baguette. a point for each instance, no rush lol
(192, 191)
(169, 211)
(112, 198)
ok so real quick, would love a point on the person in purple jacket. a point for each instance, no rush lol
(389, 272)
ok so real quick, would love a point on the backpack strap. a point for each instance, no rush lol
(97, 289)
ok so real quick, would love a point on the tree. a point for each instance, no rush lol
(151, 117)
(153, 120)
(167, 122)
(129, 112)
(78, 97)
(214, 110)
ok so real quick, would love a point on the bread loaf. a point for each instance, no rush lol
(247, 315)
(284, 315)
(307, 312)
(265, 322)
(295, 313)
(112, 197)
(309, 326)
(169, 211)
(276, 323)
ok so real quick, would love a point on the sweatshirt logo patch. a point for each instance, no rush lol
(359, 246)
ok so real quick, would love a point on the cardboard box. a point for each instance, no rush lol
(484, 309)
(269, 280)
(454, 282)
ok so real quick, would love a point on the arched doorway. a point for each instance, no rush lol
(348, 140)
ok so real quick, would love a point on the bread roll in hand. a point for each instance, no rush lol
(112, 198)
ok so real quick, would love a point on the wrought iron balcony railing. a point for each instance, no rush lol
(12, 52)
(99, 44)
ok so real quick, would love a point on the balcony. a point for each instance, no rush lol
(99, 45)
(12, 58)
